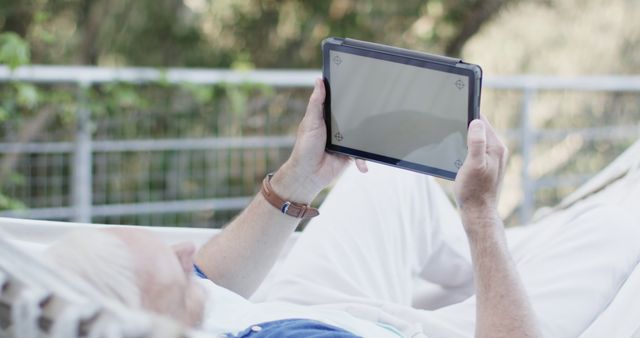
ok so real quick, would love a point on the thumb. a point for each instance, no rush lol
(314, 109)
(477, 143)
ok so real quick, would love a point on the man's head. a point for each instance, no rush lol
(134, 267)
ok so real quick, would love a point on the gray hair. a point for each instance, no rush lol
(102, 260)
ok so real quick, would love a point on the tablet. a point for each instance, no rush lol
(399, 107)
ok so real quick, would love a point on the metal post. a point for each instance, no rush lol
(82, 159)
(527, 134)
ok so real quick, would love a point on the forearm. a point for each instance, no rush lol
(244, 252)
(503, 308)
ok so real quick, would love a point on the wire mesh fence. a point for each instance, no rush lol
(189, 147)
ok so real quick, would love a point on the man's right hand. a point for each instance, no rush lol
(503, 309)
(477, 185)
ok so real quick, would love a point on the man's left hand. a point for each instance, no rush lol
(309, 163)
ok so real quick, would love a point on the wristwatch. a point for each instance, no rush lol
(290, 208)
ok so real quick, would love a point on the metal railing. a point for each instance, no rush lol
(83, 147)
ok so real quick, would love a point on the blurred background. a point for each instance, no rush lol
(170, 112)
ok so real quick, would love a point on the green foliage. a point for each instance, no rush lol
(26, 95)
(4, 114)
(8, 203)
(124, 111)
(240, 34)
(236, 34)
(14, 51)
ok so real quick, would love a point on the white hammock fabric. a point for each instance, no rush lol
(38, 301)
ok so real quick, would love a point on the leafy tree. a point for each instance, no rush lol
(189, 33)
(226, 33)
(14, 51)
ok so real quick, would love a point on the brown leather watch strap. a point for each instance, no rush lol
(293, 209)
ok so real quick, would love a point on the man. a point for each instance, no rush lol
(352, 271)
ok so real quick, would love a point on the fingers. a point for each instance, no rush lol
(491, 133)
(494, 143)
(477, 144)
(314, 109)
(362, 165)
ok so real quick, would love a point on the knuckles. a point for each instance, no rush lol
(476, 141)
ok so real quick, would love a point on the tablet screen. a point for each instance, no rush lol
(400, 111)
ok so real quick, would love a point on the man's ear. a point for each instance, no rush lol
(185, 251)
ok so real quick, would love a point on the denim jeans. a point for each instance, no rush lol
(292, 328)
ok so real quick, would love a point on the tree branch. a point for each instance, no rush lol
(481, 12)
